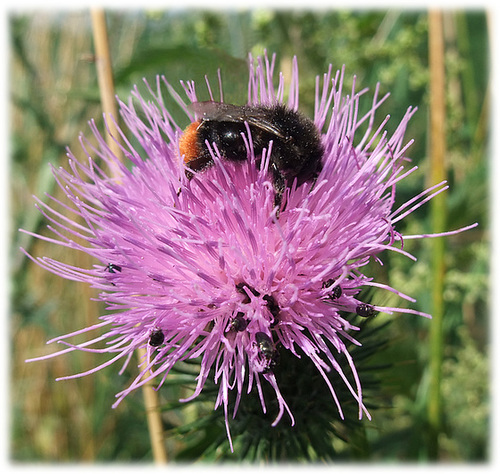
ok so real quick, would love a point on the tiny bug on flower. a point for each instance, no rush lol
(267, 349)
(112, 268)
(156, 337)
(365, 310)
(273, 307)
(240, 287)
(239, 323)
(336, 291)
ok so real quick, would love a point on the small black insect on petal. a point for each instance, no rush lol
(241, 289)
(365, 310)
(264, 343)
(268, 350)
(112, 268)
(238, 323)
(273, 307)
(272, 362)
(156, 337)
(336, 291)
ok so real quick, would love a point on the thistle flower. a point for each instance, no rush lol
(208, 266)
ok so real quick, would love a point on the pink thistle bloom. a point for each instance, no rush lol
(209, 267)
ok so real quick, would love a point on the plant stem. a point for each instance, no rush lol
(153, 414)
(438, 213)
(106, 83)
(106, 87)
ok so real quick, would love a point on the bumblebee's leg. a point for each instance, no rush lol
(279, 184)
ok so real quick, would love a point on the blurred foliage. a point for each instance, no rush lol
(53, 93)
(467, 368)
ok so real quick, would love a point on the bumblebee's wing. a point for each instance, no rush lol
(217, 111)
(263, 122)
(222, 112)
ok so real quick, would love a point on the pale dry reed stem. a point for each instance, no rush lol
(106, 83)
(106, 87)
(437, 174)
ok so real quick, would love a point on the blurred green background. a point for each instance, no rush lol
(53, 93)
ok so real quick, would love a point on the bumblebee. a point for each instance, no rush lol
(296, 148)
